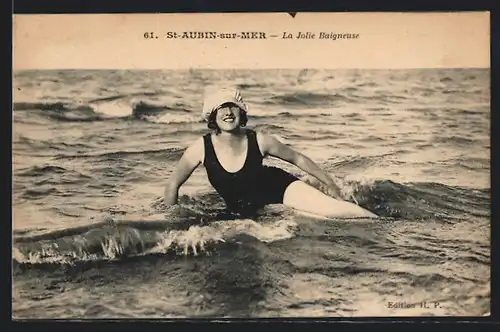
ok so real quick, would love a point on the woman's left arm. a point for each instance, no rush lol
(272, 147)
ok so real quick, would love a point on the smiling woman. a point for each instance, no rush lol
(233, 155)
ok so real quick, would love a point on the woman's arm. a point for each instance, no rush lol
(271, 146)
(191, 159)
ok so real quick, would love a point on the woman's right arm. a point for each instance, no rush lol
(191, 159)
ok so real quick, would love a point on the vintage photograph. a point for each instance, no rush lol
(251, 165)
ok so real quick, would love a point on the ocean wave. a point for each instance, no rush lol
(27, 145)
(122, 96)
(47, 170)
(469, 163)
(307, 99)
(413, 201)
(166, 154)
(244, 86)
(45, 177)
(110, 108)
(453, 140)
(206, 223)
(125, 107)
(36, 193)
(112, 240)
(48, 106)
(423, 201)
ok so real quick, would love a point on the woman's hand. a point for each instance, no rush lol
(331, 188)
(334, 190)
(341, 194)
(172, 209)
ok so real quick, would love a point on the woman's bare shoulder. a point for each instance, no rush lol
(196, 150)
(264, 138)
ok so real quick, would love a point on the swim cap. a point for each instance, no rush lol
(219, 97)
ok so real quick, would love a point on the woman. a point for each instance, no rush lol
(232, 156)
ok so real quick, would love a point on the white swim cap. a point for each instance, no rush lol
(219, 97)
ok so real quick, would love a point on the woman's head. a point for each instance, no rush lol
(224, 110)
(227, 117)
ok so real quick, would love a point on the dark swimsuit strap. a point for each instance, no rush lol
(253, 150)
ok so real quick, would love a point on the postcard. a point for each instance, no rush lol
(251, 165)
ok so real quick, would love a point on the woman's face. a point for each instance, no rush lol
(228, 117)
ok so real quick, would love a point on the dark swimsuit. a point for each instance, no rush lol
(253, 186)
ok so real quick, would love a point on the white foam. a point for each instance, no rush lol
(196, 237)
(113, 109)
(169, 118)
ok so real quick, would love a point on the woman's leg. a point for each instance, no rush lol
(303, 197)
